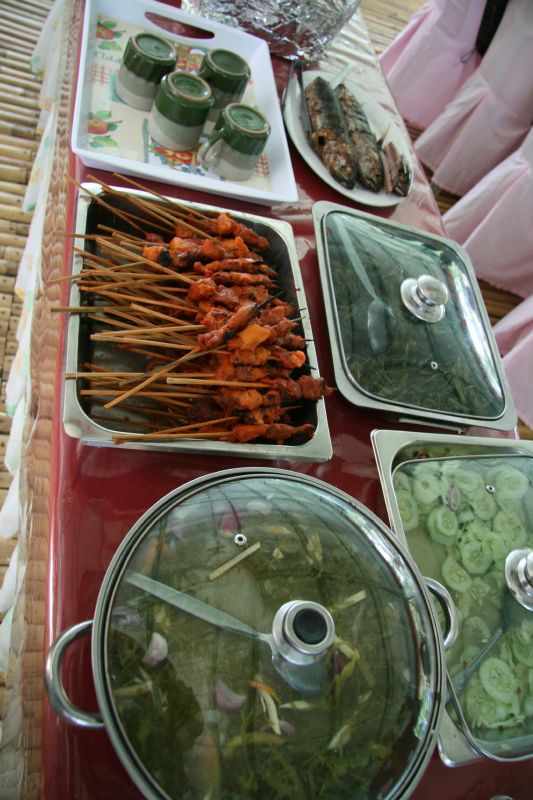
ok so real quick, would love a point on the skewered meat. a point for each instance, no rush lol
(276, 432)
(249, 265)
(328, 136)
(364, 144)
(240, 351)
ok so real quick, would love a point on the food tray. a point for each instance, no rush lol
(392, 449)
(77, 414)
(111, 135)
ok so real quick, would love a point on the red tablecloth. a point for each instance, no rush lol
(98, 493)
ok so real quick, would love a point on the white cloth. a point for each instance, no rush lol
(493, 222)
(491, 113)
(514, 336)
(432, 57)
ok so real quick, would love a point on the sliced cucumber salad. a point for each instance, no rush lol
(461, 517)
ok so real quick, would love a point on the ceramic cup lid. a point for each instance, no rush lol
(262, 635)
(468, 522)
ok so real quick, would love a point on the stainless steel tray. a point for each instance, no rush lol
(392, 448)
(78, 418)
(467, 295)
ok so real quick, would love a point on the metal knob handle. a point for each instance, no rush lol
(519, 576)
(425, 297)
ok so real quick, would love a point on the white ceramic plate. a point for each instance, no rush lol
(379, 120)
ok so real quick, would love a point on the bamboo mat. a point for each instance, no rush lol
(20, 26)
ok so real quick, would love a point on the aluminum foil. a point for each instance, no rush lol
(302, 30)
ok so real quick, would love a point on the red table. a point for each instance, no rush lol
(92, 496)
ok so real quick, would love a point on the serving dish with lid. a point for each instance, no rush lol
(408, 330)
(85, 419)
(463, 506)
(259, 629)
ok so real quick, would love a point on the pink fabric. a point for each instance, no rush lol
(432, 57)
(491, 113)
(494, 223)
(514, 336)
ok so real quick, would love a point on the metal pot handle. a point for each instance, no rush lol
(450, 612)
(54, 687)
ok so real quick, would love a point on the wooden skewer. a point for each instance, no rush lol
(146, 342)
(160, 213)
(211, 382)
(183, 209)
(123, 438)
(103, 203)
(194, 426)
(154, 329)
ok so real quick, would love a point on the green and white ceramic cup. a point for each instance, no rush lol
(147, 58)
(180, 110)
(238, 139)
(227, 74)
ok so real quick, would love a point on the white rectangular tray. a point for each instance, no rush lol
(108, 134)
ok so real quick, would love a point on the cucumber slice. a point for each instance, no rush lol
(510, 483)
(521, 639)
(443, 525)
(425, 467)
(426, 487)
(479, 590)
(476, 631)
(401, 481)
(470, 482)
(455, 576)
(510, 525)
(499, 548)
(408, 509)
(484, 507)
(476, 555)
(498, 679)
(481, 709)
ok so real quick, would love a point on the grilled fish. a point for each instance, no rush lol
(327, 135)
(364, 144)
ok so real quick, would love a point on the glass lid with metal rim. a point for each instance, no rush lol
(468, 523)
(264, 635)
(408, 329)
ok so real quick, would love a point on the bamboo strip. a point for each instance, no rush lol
(19, 32)
(16, 99)
(14, 50)
(13, 162)
(15, 78)
(19, 153)
(15, 60)
(20, 131)
(21, 18)
(17, 228)
(36, 10)
(15, 214)
(26, 115)
(16, 174)
(12, 199)
(8, 267)
(12, 240)
(12, 141)
(11, 253)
